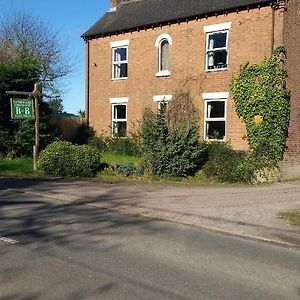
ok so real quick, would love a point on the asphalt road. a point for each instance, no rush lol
(73, 251)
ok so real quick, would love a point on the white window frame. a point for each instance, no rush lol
(116, 45)
(210, 30)
(114, 102)
(208, 97)
(159, 40)
(162, 98)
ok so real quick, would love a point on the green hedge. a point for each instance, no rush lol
(228, 165)
(68, 160)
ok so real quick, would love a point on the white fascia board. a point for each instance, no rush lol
(159, 98)
(220, 95)
(119, 43)
(217, 27)
(118, 100)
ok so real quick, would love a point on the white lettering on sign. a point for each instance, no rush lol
(18, 110)
(27, 111)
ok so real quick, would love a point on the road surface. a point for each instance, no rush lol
(51, 249)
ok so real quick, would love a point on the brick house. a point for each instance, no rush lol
(142, 52)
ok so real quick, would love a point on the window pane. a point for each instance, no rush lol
(119, 112)
(217, 59)
(164, 55)
(119, 129)
(121, 70)
(215, 130)
(217, 40)
(120, 54)
(215, 109)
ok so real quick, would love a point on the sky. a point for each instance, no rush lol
(71, 18)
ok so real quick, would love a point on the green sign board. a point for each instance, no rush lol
(21, 108)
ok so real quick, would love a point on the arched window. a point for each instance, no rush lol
(163, 55)
(163, 43)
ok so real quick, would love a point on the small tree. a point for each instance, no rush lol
(170, 140)
(24, 37)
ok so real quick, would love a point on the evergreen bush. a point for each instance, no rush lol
(170, 145)
(68, 160)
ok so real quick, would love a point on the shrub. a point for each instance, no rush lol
(129, 169)
(172, 148)
(99, 143)
(83, 134)
(228, 165)
(123, 146)
(68, 160)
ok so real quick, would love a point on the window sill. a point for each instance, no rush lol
(215, 140)
(122, 78)
(163, 74)
(216, 70)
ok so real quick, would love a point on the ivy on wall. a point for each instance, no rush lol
(262, 101)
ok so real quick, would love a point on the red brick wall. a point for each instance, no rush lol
(249, 40)
(292, 43)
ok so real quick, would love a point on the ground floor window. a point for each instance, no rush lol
(215, 106)
(119, 117)
(162, 99)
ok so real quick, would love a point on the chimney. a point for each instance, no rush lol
(114, 3)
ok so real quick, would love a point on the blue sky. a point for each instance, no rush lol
(71, 18)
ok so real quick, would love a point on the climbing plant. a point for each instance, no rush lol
(262, 101)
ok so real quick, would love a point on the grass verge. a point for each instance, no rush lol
(112, 159)
(16, 167)
(293, 217)
(22, 167)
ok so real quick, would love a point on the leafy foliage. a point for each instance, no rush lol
(68, 160)
(262, 101)
(24, 37)
(18, 135)
(123, 146)
(172, 148)
(228, 165)
(129, 169)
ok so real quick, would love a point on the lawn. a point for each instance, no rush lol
(293, 217)
(22, 167)
(112, 159)
(16, 167)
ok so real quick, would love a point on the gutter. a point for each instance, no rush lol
(87, 82)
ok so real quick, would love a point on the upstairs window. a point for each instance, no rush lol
(164, 55)
(119, 59)
(163, 43)
(217, 46)
(215, 116)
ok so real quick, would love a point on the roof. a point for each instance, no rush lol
(144, 13)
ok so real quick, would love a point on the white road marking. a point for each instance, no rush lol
(8, 240)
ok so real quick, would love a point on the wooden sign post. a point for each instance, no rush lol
(36, 94)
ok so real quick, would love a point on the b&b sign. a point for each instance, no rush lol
(21, 108)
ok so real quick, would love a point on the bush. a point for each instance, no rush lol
(84, 134)
(228, 165)
(129, 169)
(172, 148)
(68, 160)
(123, 146)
